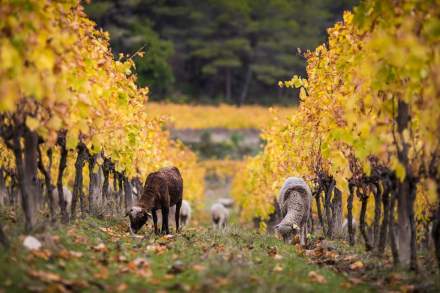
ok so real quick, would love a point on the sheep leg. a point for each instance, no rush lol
(177, 215)
(302, 238)
(306, 231)
(156, 231)
(165, 212)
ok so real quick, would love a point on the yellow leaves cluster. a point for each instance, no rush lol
(349, 103)
(53, 59)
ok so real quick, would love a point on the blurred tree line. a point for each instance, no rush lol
(210, 51)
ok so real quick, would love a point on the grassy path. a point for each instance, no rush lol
(96, 255)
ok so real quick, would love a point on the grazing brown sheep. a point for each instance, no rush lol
(162, 189)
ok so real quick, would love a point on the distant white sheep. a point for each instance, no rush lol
(185, 213)
(219, 215)
(67, 197)
(345, 227)
(294, 201)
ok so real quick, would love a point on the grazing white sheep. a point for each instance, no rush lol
(294, 201)
(345, 227)
(219, 215)
(185, 213)
(67, 197)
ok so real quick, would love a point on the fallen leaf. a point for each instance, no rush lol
(331, 255)
(317, 278)
(358, 265)
(299, 249)
(168, 277)
(155, 281)
(395, 278)
(139, 266)
(278, 268)
(121, 287)
(158, 249)
(102, 274)
(141, 262)
(71, 232)
(346, 285)
(349, 258)
(42, 253)
(221, 281)
(46, 277)
(272, 251)
(177, 268)
(55, 238)
(121, 258)
(76, 254)
(80, 240)
(318, 252)
(309, 252)
(278, 257)
(407, 288)
(59, 288)
(168, 237)
(64, 254)
(355, 281)
(100, 248)
(199, 267)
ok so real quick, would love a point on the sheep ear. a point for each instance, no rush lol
(127, 214)
(149, 215)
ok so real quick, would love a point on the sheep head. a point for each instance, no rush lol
(287, 231)
(138, 217)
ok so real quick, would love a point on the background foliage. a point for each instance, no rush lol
(232, 51)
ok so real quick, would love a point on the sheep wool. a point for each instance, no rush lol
(219, 215)
(294, 201)
(185, 213)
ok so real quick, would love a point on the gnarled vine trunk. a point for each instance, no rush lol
(24, 173)
(351, 235)
(3, 190)
(328, 190)
(128, 195)
(62, 166)
(436, 229)
(393, 243)
(337, 212)
(377, 213)
(47, 181)
(404, 224)
(120, 190)
(318, 208)
(386, 217)
(105, 185)
(78, 185)
(3, 239)
(362, 226)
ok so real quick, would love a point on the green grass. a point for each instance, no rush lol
(236, 260)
